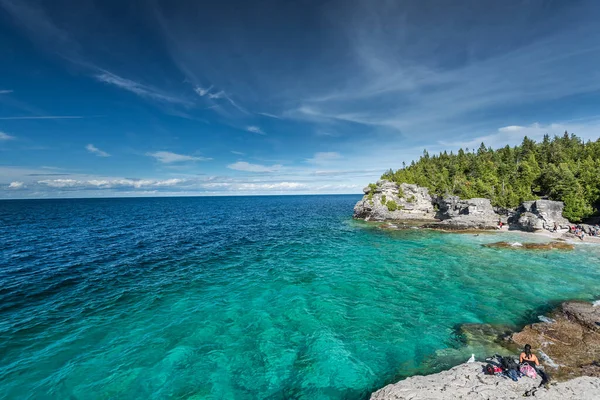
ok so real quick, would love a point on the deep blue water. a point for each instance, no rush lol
(248, 297)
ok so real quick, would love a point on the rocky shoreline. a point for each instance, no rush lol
(467, 381)
(567, 343)
(388, 201)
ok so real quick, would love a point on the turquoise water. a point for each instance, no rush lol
(249, 297)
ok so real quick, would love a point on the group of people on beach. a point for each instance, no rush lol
(579, 231)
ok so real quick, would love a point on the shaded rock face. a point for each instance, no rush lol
(389, 201)
(474, 213)
(539, 214)
(571, 340)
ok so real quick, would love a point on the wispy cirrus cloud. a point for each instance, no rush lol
(94, 150)
(167, 157)
(4, 91)
(201, 91)
(270, 115)
(280, 186)
(322, 158)
(44, 117)
(218, 95)
(139, 89)
(255, 129)
(6, 136)
(247, 167)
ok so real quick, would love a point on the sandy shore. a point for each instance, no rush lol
(468, 381)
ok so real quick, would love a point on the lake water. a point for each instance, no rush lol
(249, 297)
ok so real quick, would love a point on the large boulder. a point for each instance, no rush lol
(476, 213)
(539, 214)
(568, 340)
(387, 200)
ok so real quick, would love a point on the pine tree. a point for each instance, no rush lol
(561, 168)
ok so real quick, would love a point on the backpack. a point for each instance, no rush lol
(509, 363)
(528, 370)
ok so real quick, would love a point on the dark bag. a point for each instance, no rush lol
(509, 364)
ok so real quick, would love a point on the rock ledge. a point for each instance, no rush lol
(467, 381)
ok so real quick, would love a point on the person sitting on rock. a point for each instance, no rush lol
(527, 357)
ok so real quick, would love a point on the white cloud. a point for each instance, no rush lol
(94, 150)
(324, 158)
(6, 136)
(238, 153)
(138, 88)
(511, 128)
(245, 166)
(16, 185)
(219, 95)
(5, 91)
(270, 115)
(202, 92)
(255, 129)
(166, 157)
(272, 186)
(514, 134)
(109, 183)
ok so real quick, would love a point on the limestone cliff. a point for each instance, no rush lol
(539, 214)
(388, 201)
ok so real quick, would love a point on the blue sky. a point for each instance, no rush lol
(149, 98)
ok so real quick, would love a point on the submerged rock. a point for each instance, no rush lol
(567, 343)
(571, 343)
(556, 245)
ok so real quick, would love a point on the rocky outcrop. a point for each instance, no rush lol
(467, 381)
(569, 340)
(539, 214)
(474, 213)
(567, 344)
(388, 201)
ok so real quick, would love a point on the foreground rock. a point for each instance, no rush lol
(539, 214)
(387, 201)
(467, 381)
(556, 245)
(569, 343)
